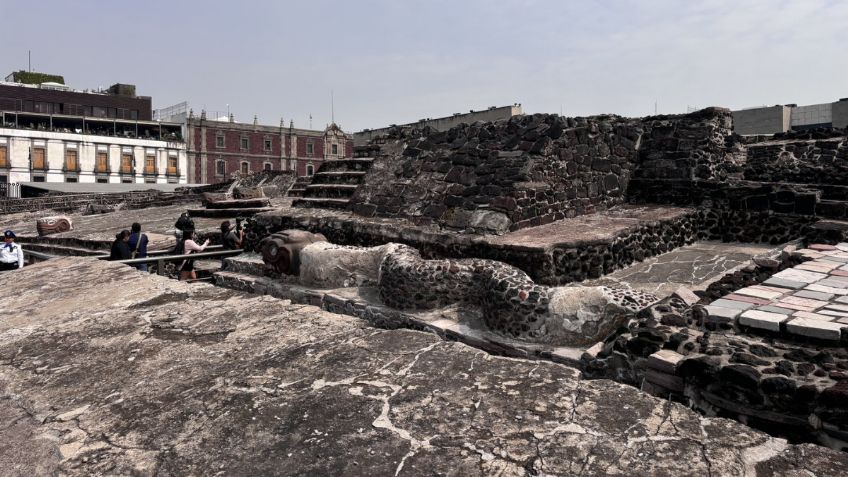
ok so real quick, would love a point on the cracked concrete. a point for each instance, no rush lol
(88, 386)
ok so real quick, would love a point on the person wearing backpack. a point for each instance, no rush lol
(187, 246)
(138, 245)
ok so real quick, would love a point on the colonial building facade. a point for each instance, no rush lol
(218, 148)
(50, 133)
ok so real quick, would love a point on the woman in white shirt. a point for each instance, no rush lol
(190, 246)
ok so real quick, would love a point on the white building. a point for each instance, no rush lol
(33, 155)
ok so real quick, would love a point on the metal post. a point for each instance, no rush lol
(160, 267)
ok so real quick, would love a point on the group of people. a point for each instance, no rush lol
(133, 243)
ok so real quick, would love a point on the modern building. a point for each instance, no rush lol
(494, 113)
(782, 118)
(219, 148)
(51, 133)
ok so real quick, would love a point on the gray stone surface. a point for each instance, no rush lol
(116, 372)
(694, 266)
(779, 282)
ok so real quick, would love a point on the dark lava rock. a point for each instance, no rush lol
(748, 358)
(741, 375)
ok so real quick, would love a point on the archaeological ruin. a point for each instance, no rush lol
(537, 295)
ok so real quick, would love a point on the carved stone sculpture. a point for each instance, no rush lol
(53, 225)
(510, 303)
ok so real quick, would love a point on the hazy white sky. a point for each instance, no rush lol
(395, 61)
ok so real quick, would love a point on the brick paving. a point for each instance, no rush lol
(809, 300)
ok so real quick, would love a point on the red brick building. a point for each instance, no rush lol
(217, 149)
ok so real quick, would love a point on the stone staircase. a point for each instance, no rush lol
(335, 183)
(299, 187)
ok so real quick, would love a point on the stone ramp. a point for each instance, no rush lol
(119, 372)
(694, 266)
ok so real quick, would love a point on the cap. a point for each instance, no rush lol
(9, 234)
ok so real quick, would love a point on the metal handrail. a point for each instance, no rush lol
(38, 255)
(211, 248)
(160, 261)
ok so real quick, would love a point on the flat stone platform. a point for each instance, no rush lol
(693, 266)
(105, 370)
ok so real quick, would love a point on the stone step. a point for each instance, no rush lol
(333, 186)
(246, 264)
(320, 202)
(60, 250)
(228, 213)
(236, 281)
(341, 173)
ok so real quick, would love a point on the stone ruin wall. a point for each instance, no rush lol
(505, 175)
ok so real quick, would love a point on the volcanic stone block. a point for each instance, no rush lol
(779, 282)
(815, 328)
(732, 304)
(665, 361)
(762, 320)
(668, 381)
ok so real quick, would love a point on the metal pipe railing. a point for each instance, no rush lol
(160, 261)
(37, 255)
(211, 248)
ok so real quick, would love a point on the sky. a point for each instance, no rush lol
(396, 61)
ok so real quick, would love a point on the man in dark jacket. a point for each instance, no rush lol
(120, 249)
(138, 245)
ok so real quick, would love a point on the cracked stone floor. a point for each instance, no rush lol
(108, 371)
(694, 266)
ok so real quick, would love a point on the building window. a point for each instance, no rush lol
(126, 181)
(150, 164)
(310, 148)
(219, 141)
(102, 180)
(38, 156)
(245, 143)
(267, 144)
(335, 149)
(4, 156)
(268, 166)
(38, 178)
(245, 168)
(126, 163)
(149, 180)
(310, 170)
(172, 165)
(220, 168)
(71, 179)
(101, 162)
(71, 162)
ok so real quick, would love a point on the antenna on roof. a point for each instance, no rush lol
(332, 109)
(29, 60)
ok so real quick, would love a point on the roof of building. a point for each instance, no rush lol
(93, 188)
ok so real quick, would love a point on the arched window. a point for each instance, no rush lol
(268, 166)
(220, 168)
(245, 168)
(310, 170)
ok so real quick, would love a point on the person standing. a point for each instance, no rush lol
(189, 246)
(138, 245)
(120, 249)
(11, 254)
(231, 237)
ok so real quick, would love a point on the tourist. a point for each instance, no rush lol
(138, 245)
(231, 237)
(120, 249)
(11, 254)
(187, 246)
